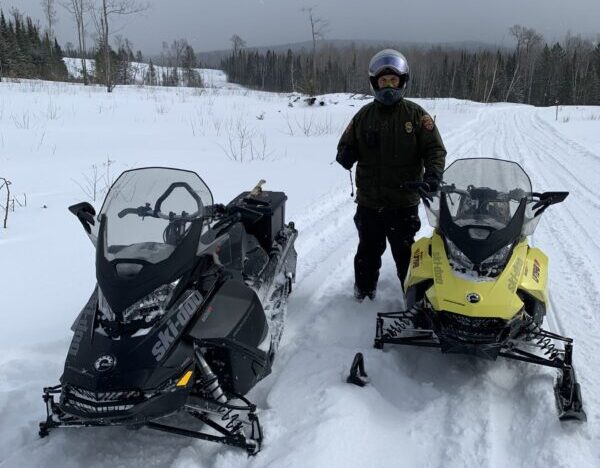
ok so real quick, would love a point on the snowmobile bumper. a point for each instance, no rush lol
(399, 328)
(80, 407)
(226, 425)
(124, 408)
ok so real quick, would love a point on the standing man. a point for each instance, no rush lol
(394, 141)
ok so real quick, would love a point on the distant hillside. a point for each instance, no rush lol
(213, 58)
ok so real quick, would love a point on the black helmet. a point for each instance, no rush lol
(389, 62)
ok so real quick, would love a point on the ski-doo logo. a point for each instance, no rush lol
(536, 271)
(515, 275)
(105, 363)
(416, 260)
(437, 268)
(170, 332)
(473, 298)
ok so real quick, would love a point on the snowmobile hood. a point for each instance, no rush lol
(98, 362)
(463, 294)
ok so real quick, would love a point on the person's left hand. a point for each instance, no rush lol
(432, 182)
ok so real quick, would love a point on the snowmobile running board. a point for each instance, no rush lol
(251, 444)
(566, 389)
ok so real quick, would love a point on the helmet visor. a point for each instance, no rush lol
(391, 62)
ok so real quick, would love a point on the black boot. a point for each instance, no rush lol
(360, 295)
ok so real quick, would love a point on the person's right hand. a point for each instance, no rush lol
(346, 158)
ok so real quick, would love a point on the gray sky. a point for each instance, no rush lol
(208, 25)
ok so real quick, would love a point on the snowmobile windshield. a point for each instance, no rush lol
(483, 206)
(481, 191)
(149, 212)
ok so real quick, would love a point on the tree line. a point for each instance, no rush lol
(177, 66)
(533, 72)
(26, 52)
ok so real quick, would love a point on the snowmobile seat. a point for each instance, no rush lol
(256, 258)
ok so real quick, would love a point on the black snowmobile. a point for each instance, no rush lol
(476, 286)
(187, 314)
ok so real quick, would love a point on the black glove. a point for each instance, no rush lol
(85, 214)
(346, 158)
(432, 181)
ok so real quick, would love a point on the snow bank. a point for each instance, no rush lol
(211, 78)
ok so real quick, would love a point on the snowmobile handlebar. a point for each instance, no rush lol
(146, 210)
(486, 193)
(164, 196)
(421, 188)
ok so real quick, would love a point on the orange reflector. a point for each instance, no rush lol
(183, 381)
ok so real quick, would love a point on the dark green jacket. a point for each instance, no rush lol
(392, 145)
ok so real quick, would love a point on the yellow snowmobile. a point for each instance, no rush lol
(476, 286)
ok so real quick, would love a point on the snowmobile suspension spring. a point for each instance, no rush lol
(402, 323)
(231, 418)
(547, 346)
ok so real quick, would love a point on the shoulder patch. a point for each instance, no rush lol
(427, 123)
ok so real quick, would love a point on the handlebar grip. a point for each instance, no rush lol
(127, 211)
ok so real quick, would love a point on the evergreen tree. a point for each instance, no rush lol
(100, 71)
(151, 74)
(192, 77)
(25, 53)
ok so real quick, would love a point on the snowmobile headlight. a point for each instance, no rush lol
(457, 257)
(498, 260)
(151, 306)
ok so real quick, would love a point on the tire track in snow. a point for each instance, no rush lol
(500, 134)
(321, 314)
(559, 230)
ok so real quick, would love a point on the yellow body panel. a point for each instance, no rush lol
(535, 276)
(421, 267)
(526, 270)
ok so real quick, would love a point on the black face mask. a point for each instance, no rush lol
(389, 96)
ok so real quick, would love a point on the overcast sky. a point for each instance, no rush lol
(208, 25)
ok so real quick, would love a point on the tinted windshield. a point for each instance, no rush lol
(484, 192)
(149, 212)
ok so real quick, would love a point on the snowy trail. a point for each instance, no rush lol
(422, 408)
(565, 235)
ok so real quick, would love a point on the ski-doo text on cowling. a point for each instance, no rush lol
(187, 313)
(476, 286)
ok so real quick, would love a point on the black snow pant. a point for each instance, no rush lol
(399, 226)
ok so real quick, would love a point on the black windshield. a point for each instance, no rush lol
(149, 231)
(483, 205)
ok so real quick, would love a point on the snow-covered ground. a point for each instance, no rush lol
(422, 408)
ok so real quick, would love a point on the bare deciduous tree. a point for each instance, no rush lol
(237, 43)
(49, 9)
(527, 39)
(96, 184)
(5, 183)
(103, 12)
(78, 9)
(318, 28)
